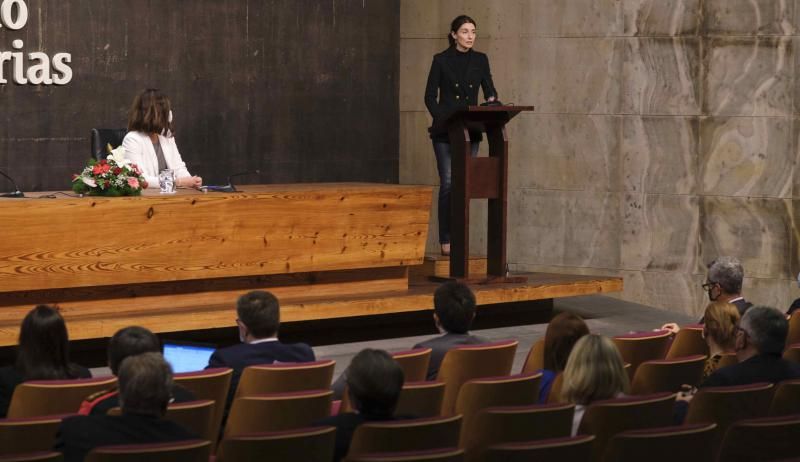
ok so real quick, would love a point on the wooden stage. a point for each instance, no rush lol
(177, 263)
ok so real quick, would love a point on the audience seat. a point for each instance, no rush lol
(642, 346)
(210, 384)
(667, 375)
(684, 443)
(786, 399)
(182, 451)
(101, 137)
(314, 444)
(514, 390)
(45, 456)
(792, 353)
(277, 412)
(794, 330)
(535, 360)
(434, 455)
(195, 416)
(405, 435)
(555, 389)
(421, 399)
(688, 341)
(568, 449)
(513, 424)
(414, 363)
(725, 405)
(285, 378)
(771, 438)
(53, 397)
(29, 434)
(471, 362)
(607, 418)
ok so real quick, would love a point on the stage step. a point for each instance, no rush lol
(437, 265)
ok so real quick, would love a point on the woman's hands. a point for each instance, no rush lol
(190, 182)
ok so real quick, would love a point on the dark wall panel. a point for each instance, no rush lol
(303, 90)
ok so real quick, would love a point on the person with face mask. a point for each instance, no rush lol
(796, 303)
(150, 143)
(724, 283)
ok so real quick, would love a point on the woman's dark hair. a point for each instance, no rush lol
(562, 333)
(43, 351)
(456, 25)
(149, 113)
(374, 381)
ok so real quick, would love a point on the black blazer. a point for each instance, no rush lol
(760, 368)
(455, 91)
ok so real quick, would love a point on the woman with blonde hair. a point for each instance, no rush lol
(719, 332)
(595, 371)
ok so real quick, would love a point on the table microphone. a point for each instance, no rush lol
(230, 186)
(17, 192)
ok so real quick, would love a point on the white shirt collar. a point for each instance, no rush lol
(263, 340)
(736, 299)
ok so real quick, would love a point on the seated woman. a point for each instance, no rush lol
(150, 143)
(594, 372)
(42, 354)
(563, 331)
(719, 332)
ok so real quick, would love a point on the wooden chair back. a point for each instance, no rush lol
(667, 375)
(515, 424)
(314, 444)
(29, 435)
(420, 399)
(277, 412)
(792, 353)
(688, 341)
(535, 360)
(414, 363)
(786, 399)
(285, 378)
(513, 390)
(195, 416)
(182, 451)
(555, 390)
(42, 456)
(644, 346)
(433, 455)
(472, 362)
(772, 438)
(54, 397)
(605, 419)
(213, 384)
(405, 435)
(793, 335)
(685, 443)
(577, 448)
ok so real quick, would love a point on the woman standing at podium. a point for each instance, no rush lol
(453, 82)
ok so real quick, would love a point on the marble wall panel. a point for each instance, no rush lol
(417, 161)
(679, 292)
(564, 228)
(573, 18)
(795, 239)
(749, 17)
(660, 233)
(770, 292)
(749, 76)
(757, 231)
(746, 156)
(426, 19)
(661, 76)
(660, 154)
(661, 17)
(564, 151)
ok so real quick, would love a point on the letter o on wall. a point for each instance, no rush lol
(7, 14)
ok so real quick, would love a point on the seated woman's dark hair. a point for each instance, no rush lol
(43, 351)
(562, 333)
(149, 113)
(374, 381)
(456, 25)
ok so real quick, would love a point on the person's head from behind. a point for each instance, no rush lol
(145, 382)
(454, 307)
(151, 112)
(462, 33)
(259, 315)
(562, 333)
(130, 341)
(724, 278)
(43, 351)
(719, 325)
(594, 371)
(374, 381)
(762, 330)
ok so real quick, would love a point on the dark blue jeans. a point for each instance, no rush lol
(443, 163)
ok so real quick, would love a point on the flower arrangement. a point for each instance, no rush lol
(113, 176)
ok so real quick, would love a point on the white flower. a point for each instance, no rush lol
(89, 181)
(118, 157)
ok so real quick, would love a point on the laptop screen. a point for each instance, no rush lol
(185, 357)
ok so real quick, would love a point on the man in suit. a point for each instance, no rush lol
(259, 320)
(145, 381)
(724, 283)
(453, 313)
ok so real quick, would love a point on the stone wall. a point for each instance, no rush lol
(665, 134)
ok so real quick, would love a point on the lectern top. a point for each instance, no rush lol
(503, 108)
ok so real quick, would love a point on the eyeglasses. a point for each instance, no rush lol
(708, 285)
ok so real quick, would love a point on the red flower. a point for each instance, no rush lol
(97, 169)
(103, 162)
(117, 171)
(106, 168)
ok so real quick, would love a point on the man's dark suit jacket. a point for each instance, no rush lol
(760, 368)
(742, 305)
(80, 434)
(441, 345)
(237, 357)
(346, 425)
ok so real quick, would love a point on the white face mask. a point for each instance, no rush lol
(798, 279)
(169, 118)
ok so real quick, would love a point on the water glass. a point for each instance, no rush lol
(166, 181)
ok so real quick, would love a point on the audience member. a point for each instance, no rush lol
(145, 381)
(563, 331)
(258, 321)
(374, 381)
(796, 303)
(594, 371)
(130, 341)
(719, 332)
(42, 354)
(724, 283)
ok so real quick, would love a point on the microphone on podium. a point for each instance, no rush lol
(230, 187)
(16, 192)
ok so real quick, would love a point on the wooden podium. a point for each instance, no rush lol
(480, 178)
